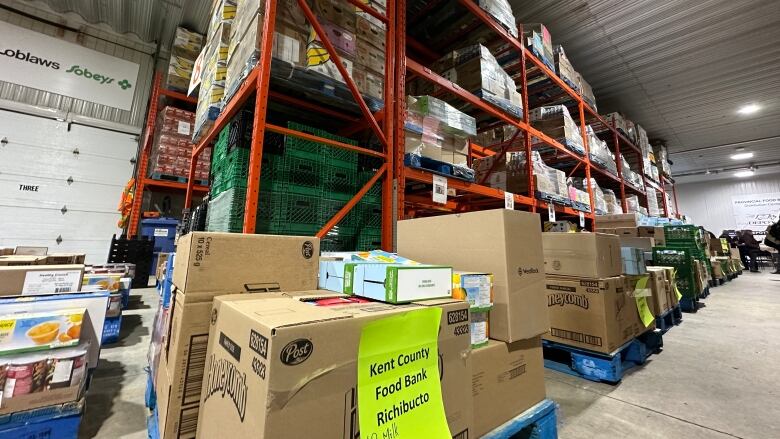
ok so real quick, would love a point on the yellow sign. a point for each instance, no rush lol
(399, 391)
(641, 294)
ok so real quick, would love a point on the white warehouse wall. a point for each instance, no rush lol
(709, 203)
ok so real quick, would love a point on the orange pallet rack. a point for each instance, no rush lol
(258, 83)
(474, 196)
(142, 180)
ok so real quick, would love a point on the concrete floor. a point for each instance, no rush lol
(717, 376)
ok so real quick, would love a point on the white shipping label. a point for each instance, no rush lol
(509, 200)
(184, 128)
(582, 220)
(439, 189)
(551, 212)
(161, 232)
(51, 282)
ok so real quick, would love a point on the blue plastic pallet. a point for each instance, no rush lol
(538, 422)
(595, 366)
(151, 425)
(669, 319)
(688, 304)
(111, 329)
(56, 428)
(41, 414)
(439, 167)
(150, 397)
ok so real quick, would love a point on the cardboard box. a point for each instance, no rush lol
(656, 233)
(235, 262)
(633, 261)
(29, 280)
(511, 251)
(182, 359)
(507, 379)
(592, 255)
(253, 340)
(594, 314)
(627, 231)
(660, 288)
(397, 283)
(607, 231)
(645, 244)
(65, 258)
(58, 377)
(619, 220)
(20, 260)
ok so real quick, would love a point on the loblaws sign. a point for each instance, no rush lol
(38, 61)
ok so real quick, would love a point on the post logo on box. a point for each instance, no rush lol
(307, 250)
(296, 352)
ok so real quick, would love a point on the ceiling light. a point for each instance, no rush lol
(744, 174)
(749, 109)
(742, 156)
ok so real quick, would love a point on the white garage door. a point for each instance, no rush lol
(60, 188)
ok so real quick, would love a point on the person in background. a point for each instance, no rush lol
(773, 240)
(748, 249)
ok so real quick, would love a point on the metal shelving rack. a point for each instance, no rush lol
(258, 84)
(475, 196)
(142, 181)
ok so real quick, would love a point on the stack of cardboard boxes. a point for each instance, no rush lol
(508, 373)
(209, 265)
(436, 130)
(556, 122)
(587, 300)
(184, 52)
(509, 173)
(50, 344)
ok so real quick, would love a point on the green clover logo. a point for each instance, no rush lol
(125, 84)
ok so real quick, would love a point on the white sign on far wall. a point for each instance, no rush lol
(39, 61)
(755, 211)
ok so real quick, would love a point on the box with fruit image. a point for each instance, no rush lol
(95, 304)
(25, 332)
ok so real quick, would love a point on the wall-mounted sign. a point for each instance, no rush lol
(755, 211)
(39, 61)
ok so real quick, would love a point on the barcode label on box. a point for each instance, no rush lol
(188, 422)
(196, 362)
(576, 336)
(439, 189)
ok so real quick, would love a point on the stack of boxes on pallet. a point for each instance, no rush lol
(52, 330)
(172, 149)
(184, 52)
(490, 297)
(300, 61)
(588, 301)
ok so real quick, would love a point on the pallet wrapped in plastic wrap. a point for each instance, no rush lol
(632, 204)
(496, 138)
(599, 152)
(510, 174)
(612, 201)
(475, 69)
(438, 131)
(564, 68)
(538, 39)
(556, 122)
(501, 11)
(185, 49)
(653, 208)
(662, 159)
(171, 151)
(586, 91)
(629, 174)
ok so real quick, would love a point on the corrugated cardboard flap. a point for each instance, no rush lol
(285, 312)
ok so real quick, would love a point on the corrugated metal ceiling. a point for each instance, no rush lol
(679, 68)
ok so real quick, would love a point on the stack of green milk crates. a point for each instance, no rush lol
(689, 237)
(229, 168)
(304, 187)
(683, 262)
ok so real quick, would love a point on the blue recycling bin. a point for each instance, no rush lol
(163, 232)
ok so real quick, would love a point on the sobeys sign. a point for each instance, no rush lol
(38, 61)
